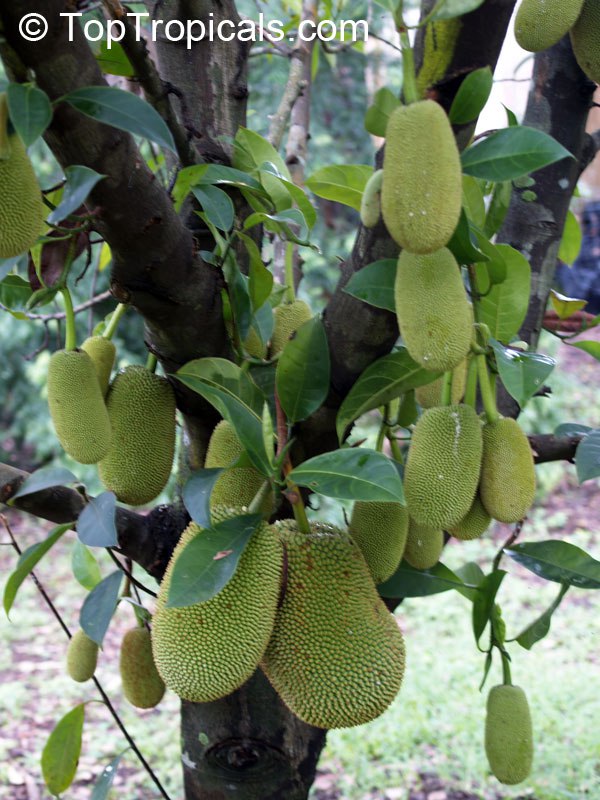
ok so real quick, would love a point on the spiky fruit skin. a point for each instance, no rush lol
(434, 314)
(336, 656)
(254, 346)
(370, 204)
(142, 685)
(474, 524)
(430, 395)
(422, 186)
(102, 352)
(287, 319)
(82, 657)
(443, 465)
(584, 38)
(141, 408)
(424, 545)
(77, 406)
(507, 471)
(508, 734)
(540, 24)
(206, 651)
(380, 529)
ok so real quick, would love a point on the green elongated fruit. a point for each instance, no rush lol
(82, 657)
(380, 529)
(473, 524)
(443, 465)
(421, 195)
(434, 314)
(207, 650)
(424, 545)
(508, 734)
(430, 395)
(141, 408)
(507, 471)
(584, 38)
(336, 655)
(540, 24)
(102, 352)
(287, 319)
(142, 685)
(370, 204)
(77, 406)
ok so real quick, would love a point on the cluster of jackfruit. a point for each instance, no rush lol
(508, 734)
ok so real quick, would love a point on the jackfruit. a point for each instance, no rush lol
(336, 656)
(141, 408)
(142, 685)
(430, 395)
(254, 345)
(540, 24)
(424, 545)
(434, 314)
(287, 319)
(370, 204)
(22, 210)
(584, 38)
(82, 657)
(508, 734)
(380, 529)
(507, 471)
(77, 406)
(421, 196)
(474, 524)
(443, 465)
(206, 651)
(102, 352)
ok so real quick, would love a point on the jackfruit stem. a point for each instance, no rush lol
(471, 387)
(409, 80)
(71, 334)
(110, 329)
(487, 396)
(394, 447)
(151, 362)
(297, 505)
(506, 676)
(290, 293)
(446, 397)
(259, 498)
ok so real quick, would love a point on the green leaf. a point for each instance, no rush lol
(379, 113)
(511, 153)
(27, 562)
(196, 494)
(384, 380)
(456, 8)
(303, 369)
(7, 265)
(374, 284)
(352, 473)
(504, 307)
(44, 478)
(260, 283)
(14, 294)
(99, 606)
(114, 60)
(30, 110)
(591, 347)
(463, 244)
(200, 174)
(572, 429)
(472, 200)
(80, 182)
(106, 778)
(558, 561)
(217, 206)
(570, 244)
(472, 96)
(122, 110)
(587, 457)
(484, 600)
(280, 224)
(522, 374)
(61, 751)
(539, 629)
(96, 526)
(410, 582)
(208, 562)
(497, 208)
(85, 567)
(343, 183)
(565, 306)
(472, 575)
(251, 151)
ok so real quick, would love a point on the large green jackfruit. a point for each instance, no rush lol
(82, 657)
(443, 465)
(508, 734)
(473, 524)
(584, 38)
(540, 24)
(507, 471)
(102, 352)
(141, 408)
(336, 656)
(421, 195)
(424, 545)
(287, 319)
(77, 406)
(142, 685)
(434, 314)
(22, 209)
(206, 651)
(380, 529)
(430, 395)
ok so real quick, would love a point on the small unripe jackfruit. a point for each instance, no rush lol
(421, 196)
(82, 657)
(443, 464)
(473, 524)
(287, 319)
(508, 734)
(141, 408)
(142, 685)
(424, 545)
(434, 314)
(380, 529)
(102, 352)
(370, 204)
(206, 651)
(507, 471)
(430, 395)
(584, 38)
(254, 346)
(336, 655)
(77, 406)
(540, 24)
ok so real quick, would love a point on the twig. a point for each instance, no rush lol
(293, 89)
(511, 540)
(99, 298)
(128, 573)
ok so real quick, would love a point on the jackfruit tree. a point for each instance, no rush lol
(288, 462)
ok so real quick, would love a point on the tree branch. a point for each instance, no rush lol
(294, 87)
(547, 447)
